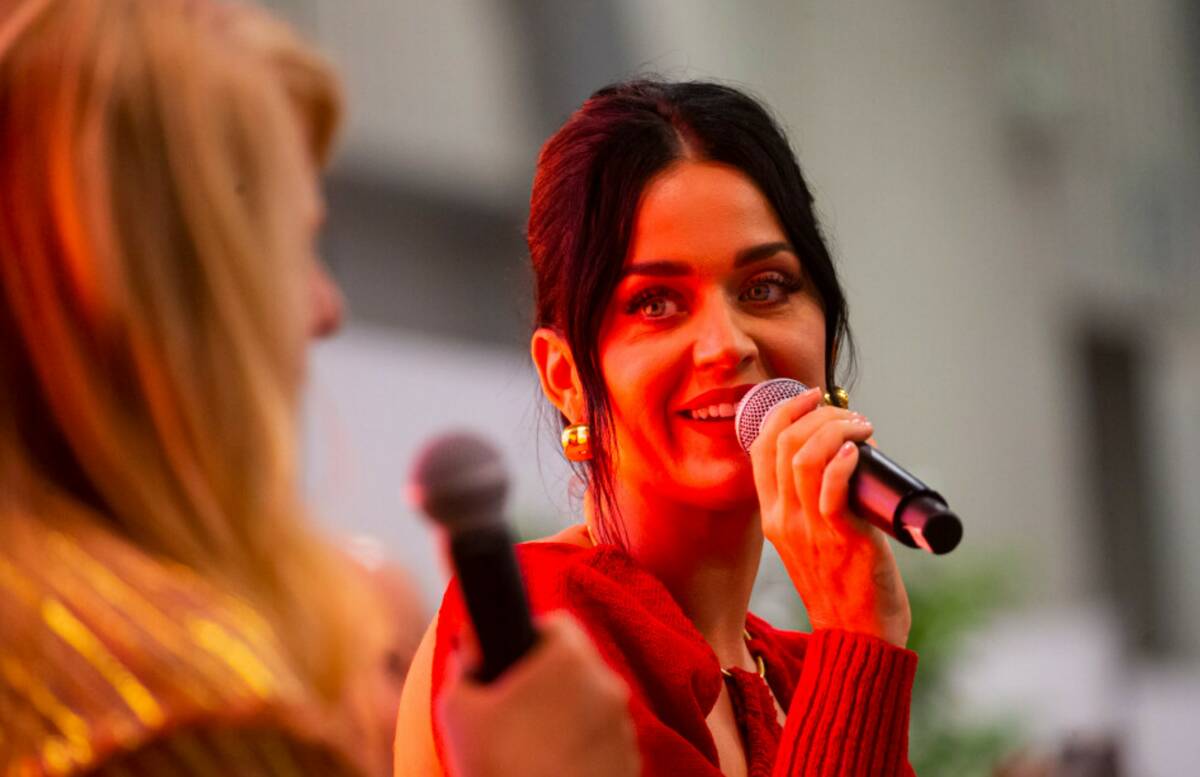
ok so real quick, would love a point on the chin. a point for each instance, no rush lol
(720, 488)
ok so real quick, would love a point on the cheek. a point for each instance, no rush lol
(798, 349)
(800, 359)
(642, 381)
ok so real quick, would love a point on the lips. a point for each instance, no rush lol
(715, 405)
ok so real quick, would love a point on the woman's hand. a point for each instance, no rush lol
(841, 566)
(558, 711)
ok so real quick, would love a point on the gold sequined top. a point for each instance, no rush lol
(116, 663)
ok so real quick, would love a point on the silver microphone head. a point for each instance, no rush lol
(759, 401)
(460, 481)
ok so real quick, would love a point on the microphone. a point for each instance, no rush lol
(881, 491)
(459, 481)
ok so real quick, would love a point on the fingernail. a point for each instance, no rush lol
(846, 449)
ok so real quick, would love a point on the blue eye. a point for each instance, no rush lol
(653, 304)
(761, 292)
(769, 288)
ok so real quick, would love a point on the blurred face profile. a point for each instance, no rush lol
(713, 299)
(324, 304)
(303, 217)
(325, 300)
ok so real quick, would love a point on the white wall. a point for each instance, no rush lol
(375, 398)
(432, 91)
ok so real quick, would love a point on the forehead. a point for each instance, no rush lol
(701, 210)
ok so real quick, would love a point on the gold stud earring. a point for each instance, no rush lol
(576, 442)
(838, 397)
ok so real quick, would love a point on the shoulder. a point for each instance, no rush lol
(127, 649)
(603, 587)
(231, 751)
(413, 749)
(630, 616)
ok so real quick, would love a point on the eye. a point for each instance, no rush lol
(769, 288)
(654, 304)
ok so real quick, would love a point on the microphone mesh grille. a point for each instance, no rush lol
(758, 403)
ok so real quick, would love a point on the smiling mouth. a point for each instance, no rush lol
(723, 411)
(715, 406)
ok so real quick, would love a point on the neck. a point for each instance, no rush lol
(706, 558)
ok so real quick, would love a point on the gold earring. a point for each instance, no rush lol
(576, 442)
(838, 396)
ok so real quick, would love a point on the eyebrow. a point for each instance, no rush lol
(666, 268)
(759, 252)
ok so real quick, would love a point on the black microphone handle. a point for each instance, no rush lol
(495, 596)
(903, 507)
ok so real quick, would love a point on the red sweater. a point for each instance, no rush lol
(847, 695)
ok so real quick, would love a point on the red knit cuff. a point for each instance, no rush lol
(849, 715)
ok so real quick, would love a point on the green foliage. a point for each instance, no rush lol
(945, 749)
(947, 605)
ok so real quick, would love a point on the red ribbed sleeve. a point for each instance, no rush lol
(849, 714)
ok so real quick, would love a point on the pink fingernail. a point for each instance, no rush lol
(846, 449)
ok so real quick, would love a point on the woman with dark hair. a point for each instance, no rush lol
(678, 262)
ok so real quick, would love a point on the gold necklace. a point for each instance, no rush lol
(762, 666)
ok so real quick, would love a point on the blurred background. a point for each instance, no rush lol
(1012, 192)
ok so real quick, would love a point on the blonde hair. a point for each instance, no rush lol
(153, 271)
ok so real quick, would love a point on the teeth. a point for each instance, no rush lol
(723, 410)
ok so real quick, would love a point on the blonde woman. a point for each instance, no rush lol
(164, 606)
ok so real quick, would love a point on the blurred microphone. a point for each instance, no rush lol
(460, 482)
(880, 490)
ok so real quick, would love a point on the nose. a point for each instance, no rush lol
(722, 344)
(325, 303)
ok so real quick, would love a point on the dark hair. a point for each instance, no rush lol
(590, 176)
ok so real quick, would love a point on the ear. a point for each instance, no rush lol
(556, 369)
